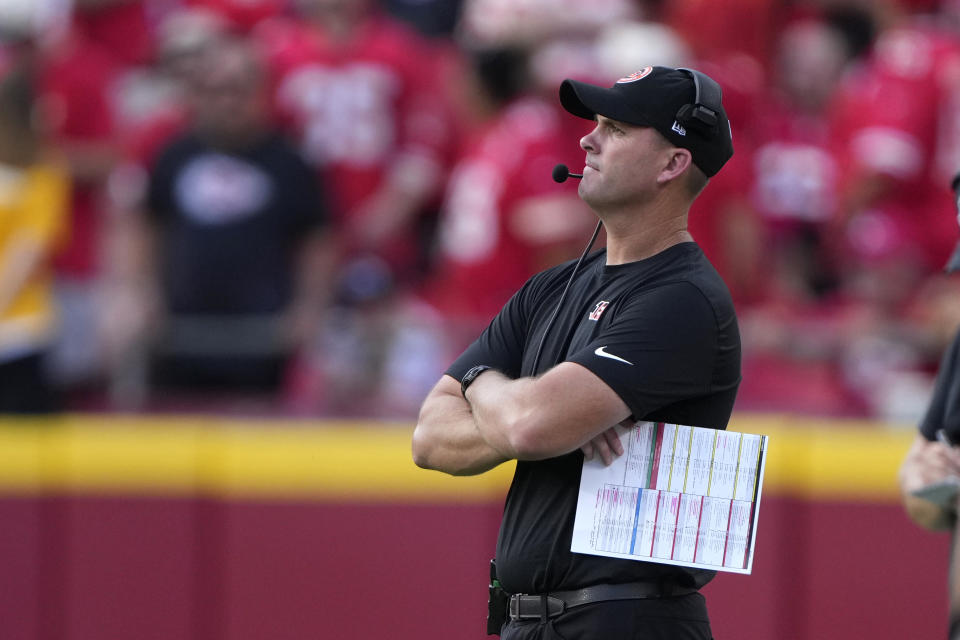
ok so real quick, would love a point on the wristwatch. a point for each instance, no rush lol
(470, 376)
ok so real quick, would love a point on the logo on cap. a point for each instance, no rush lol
(636, 75)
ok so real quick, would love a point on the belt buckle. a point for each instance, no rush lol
(514, 607)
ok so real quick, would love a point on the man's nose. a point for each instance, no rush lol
(587, 142)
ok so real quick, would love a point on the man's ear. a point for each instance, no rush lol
(678, 162)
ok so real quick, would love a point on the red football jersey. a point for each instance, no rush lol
(122, 29)
(717, 28)
(486, 251)
(904, 125)
(73, 86)
(356, 106)
(796, 165)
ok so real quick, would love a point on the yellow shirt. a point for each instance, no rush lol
(34, 205)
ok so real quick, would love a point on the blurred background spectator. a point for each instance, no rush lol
(34, 188)
(75, 77)
(428, 129)
(357, 91)
(227, 263)
(501, 221)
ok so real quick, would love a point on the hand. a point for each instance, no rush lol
(607, 445)
(130, 317)
(928, 462)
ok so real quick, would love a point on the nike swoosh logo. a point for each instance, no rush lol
(602, 352)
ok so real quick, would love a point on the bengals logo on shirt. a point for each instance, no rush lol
(598, 310)
(636, 75)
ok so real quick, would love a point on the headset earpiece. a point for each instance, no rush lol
(704, 113)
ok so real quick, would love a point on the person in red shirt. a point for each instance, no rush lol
(902, 136)
(503, 217)
(354, 87)
(159, 102)
(793, 164)
(796, 162)
(75, 77)
(902, 140)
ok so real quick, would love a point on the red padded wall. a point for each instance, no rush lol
(90, 568)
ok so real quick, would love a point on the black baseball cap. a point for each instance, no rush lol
(662, 98)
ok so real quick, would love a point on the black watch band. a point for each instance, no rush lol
(470, 376)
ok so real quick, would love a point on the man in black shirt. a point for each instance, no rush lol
(934, 459)
(233, 238)
(647, 332)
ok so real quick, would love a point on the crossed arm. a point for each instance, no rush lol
(565, 409)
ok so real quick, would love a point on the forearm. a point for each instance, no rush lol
(502, 414)
(447, 439)
(543, 417)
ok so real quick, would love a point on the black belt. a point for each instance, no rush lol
(524, 606)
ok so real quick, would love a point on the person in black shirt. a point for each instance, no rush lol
(647, 331)
(934, 457)
(233, 238)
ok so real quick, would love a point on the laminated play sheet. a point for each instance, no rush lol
(679, 495)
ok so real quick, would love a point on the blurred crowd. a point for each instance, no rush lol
(309, 207)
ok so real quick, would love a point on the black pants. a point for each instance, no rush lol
(25, 388)
(680, 618)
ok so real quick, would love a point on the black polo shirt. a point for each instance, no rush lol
(663, 334)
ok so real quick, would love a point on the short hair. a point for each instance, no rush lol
(696, 180)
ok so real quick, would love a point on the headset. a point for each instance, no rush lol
(704, 113)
